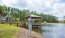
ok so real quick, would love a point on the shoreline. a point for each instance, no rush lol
(52, 23)
(23, 31)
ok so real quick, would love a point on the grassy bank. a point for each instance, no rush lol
(7, 31)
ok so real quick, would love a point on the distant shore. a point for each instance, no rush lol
(52, 23)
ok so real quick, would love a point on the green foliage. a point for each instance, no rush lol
(16, 13)
(64, 19)
(48, 18)
(1, 9)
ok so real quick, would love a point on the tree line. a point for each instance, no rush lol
(18, 14)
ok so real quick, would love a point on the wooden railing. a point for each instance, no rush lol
(38, 23)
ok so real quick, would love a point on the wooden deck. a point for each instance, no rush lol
(36, 26)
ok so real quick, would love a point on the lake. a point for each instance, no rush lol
(53, 30)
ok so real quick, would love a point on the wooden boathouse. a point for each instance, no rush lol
(36, 23)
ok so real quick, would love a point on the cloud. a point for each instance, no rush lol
(15, 3)
(59, 9)
(22, 3)
(53, 7)
(1, 3)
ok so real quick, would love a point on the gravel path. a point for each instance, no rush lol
(23, 34)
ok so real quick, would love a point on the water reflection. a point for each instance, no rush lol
(53, 30)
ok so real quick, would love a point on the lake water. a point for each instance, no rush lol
(53, 30)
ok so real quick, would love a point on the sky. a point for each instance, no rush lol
(53, 7)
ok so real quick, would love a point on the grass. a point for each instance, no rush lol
(7, 31)
(19, 25)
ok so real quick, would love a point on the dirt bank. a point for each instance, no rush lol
(24, 34)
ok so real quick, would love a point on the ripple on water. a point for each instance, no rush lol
(54, 30)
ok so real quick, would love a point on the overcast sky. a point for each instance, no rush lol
(53, 7)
